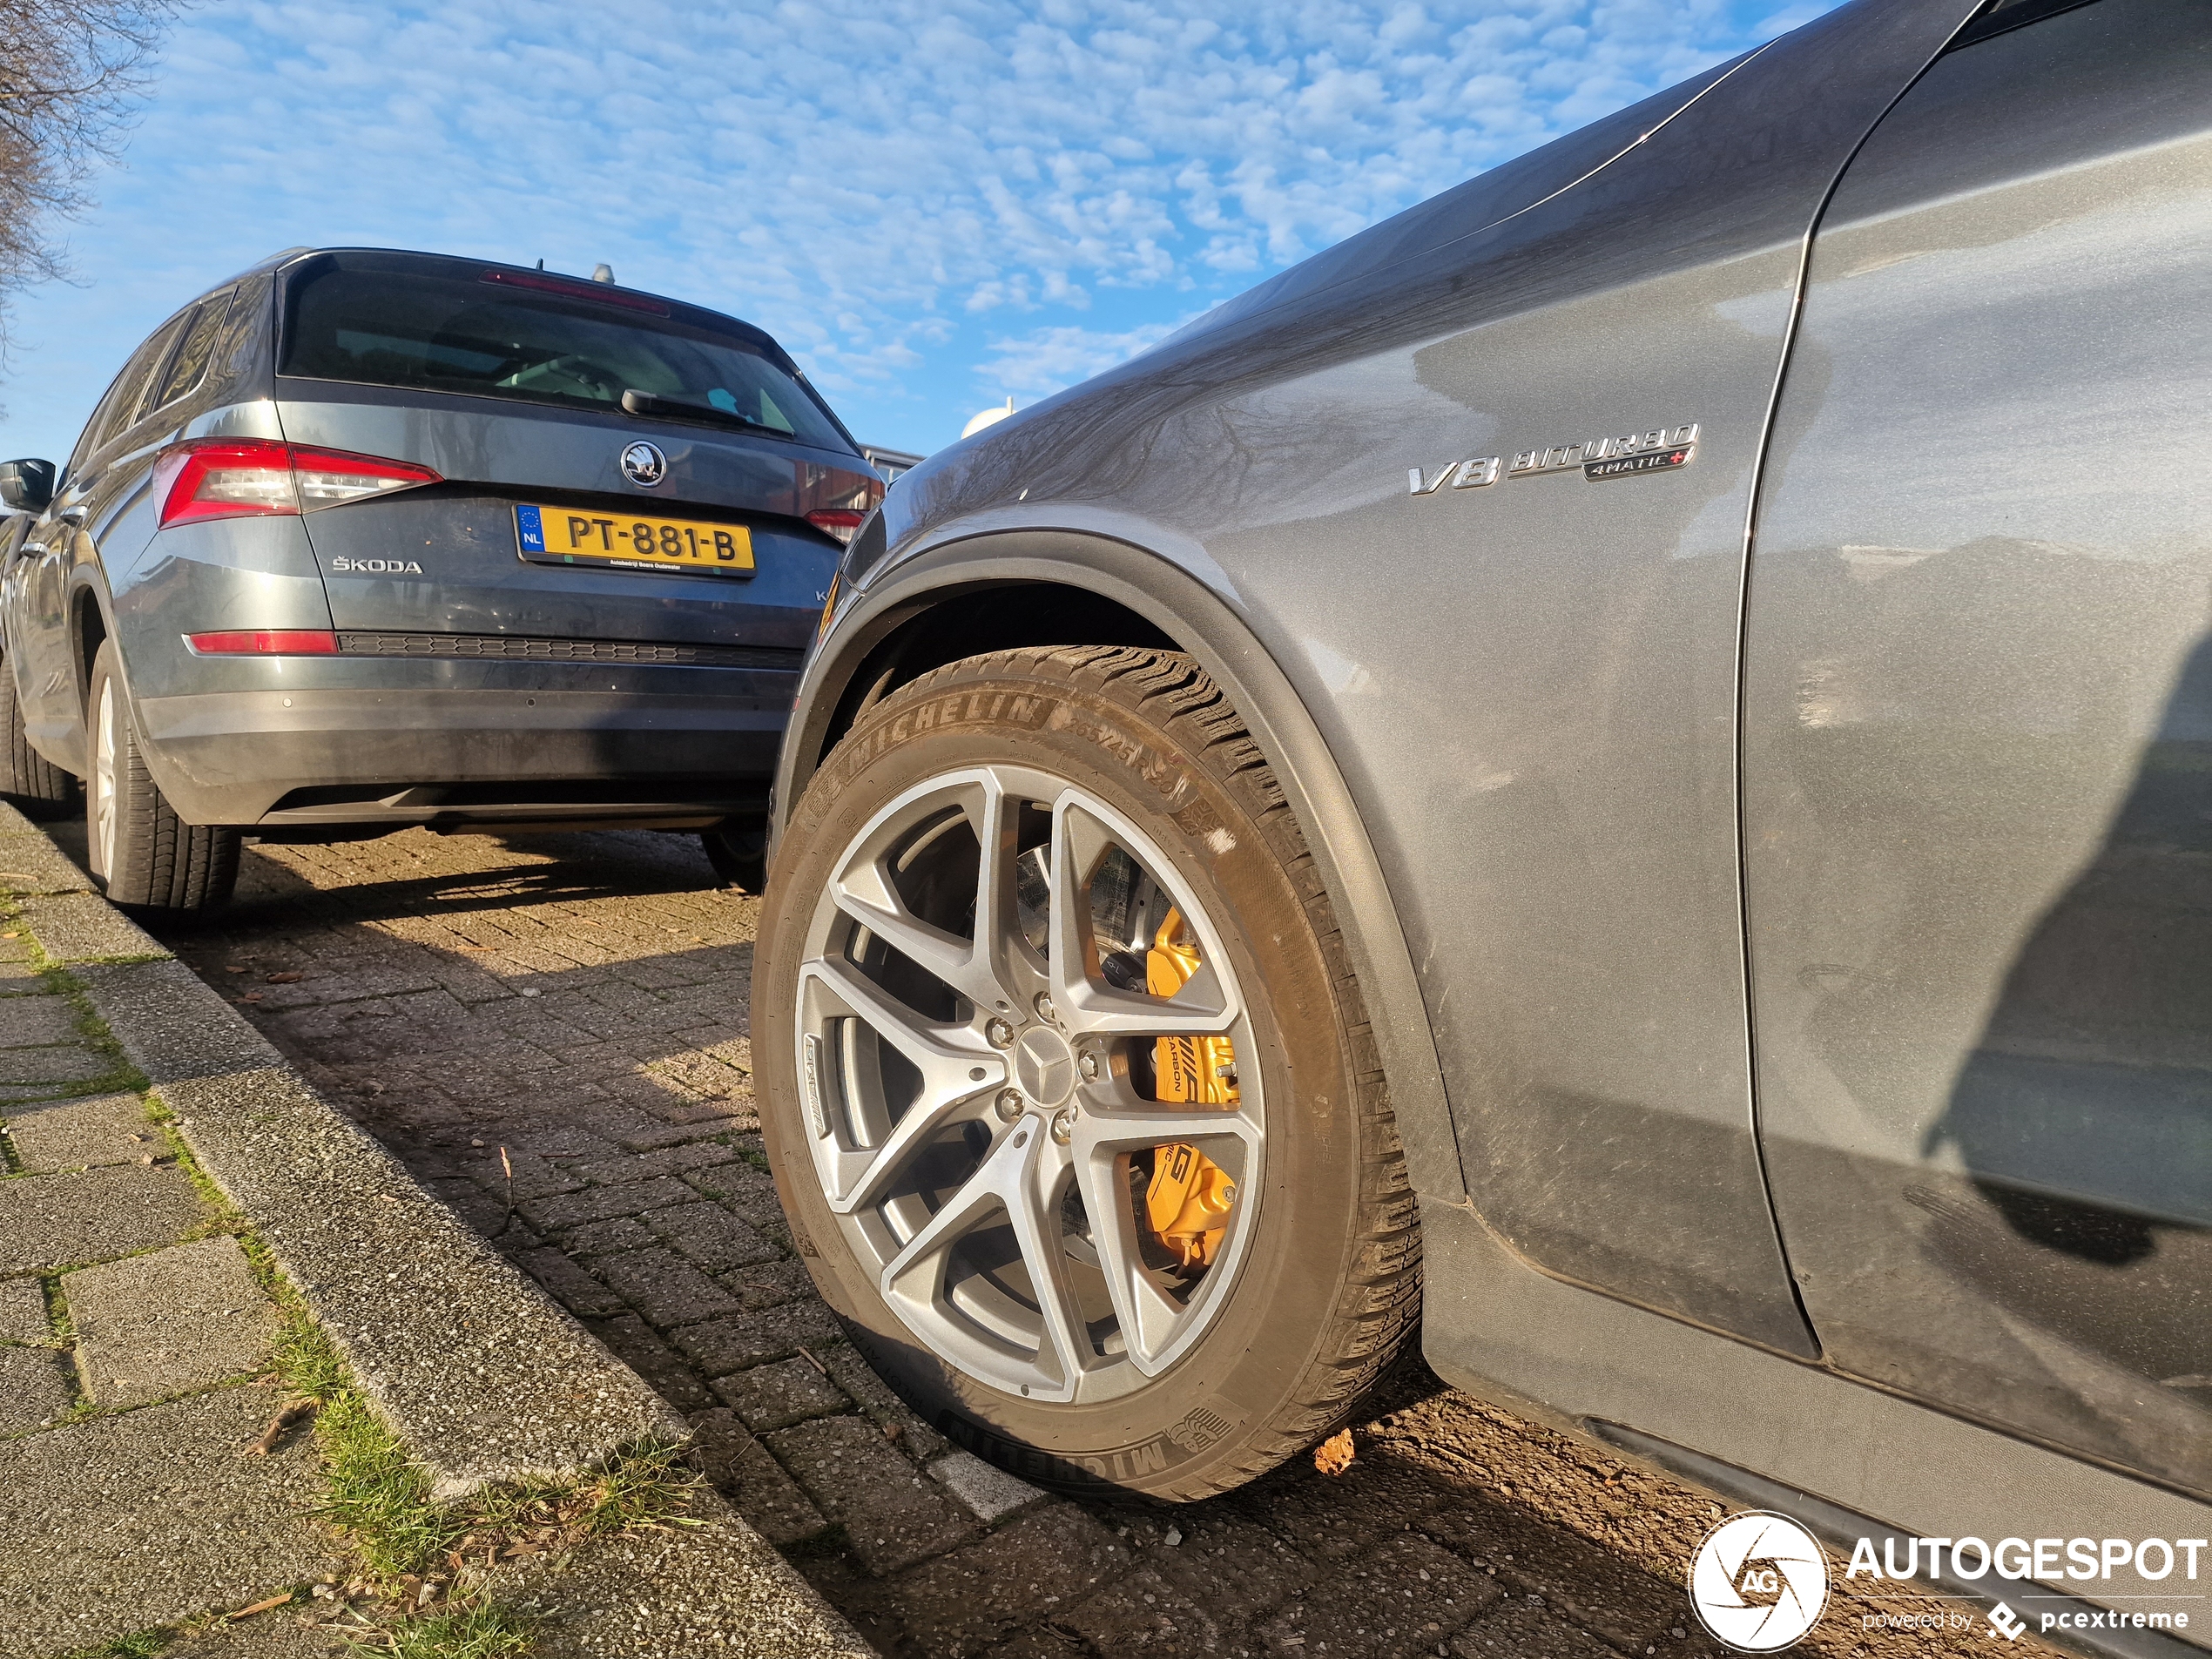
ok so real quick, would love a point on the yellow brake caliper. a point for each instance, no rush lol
(1187, 1202)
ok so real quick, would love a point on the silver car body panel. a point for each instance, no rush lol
(1978, 714)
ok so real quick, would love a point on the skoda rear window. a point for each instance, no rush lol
(495, 333)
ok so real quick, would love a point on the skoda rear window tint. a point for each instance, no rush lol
(120, 408)
(458, 332)
(190, 363)
(245, 334)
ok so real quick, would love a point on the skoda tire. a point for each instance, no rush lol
(738, 852)
(27, 777)
(1045, 942)
(141, 852)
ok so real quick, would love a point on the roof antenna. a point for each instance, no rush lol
(541, 264)
(603, 272)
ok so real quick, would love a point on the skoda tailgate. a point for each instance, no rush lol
(496, 461)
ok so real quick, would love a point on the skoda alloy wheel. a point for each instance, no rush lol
(141, 852)
(99, 797)
(1064, 1093)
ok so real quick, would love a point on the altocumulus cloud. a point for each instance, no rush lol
(932, 206)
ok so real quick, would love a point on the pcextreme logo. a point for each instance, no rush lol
(1758, 1582)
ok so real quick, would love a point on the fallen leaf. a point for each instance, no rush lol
(251, 996)
(286, 979)
(1333, 1455)
(237, 967)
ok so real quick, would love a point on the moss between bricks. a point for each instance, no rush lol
(422, 1591)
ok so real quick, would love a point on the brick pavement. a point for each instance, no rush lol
(580, 1002)
(131, 1331)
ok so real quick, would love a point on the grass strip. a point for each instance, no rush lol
(424, 1568)
(481, 1630)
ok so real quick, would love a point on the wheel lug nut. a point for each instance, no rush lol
(1087, 1066)
(1063, 1127)
(999, 1035)
(1008, 1104)
(1044, 1009)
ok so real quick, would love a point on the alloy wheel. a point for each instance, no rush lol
(1018, 1036)
(106, 740)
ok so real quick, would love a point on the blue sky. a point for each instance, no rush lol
(934, 206)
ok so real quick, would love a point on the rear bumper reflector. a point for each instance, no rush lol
(264, 641)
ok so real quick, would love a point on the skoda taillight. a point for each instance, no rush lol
(224, 478)
(331, 477)
(205, 478)
(840, 521)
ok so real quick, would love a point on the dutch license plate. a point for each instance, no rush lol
(566, 536)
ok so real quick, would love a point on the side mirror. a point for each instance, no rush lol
(27, 486)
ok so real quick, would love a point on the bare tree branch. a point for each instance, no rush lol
(73, 77)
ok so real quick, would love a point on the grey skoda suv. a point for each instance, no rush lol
(362, 539)
(1621, 763)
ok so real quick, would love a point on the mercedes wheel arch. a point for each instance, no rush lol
(962, 594)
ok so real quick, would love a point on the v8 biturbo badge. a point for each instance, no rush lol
(1660, 449)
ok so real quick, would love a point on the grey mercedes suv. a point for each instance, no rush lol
(362, 539)
(1621, 763)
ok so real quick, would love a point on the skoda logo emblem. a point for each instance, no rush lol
(643, 464)
(1758, 1581)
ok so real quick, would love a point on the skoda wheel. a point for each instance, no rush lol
(1068, 1091)
(738, 852)
(140, 852)
(27, 777)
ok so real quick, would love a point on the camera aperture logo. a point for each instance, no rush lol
(1758, 1582)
